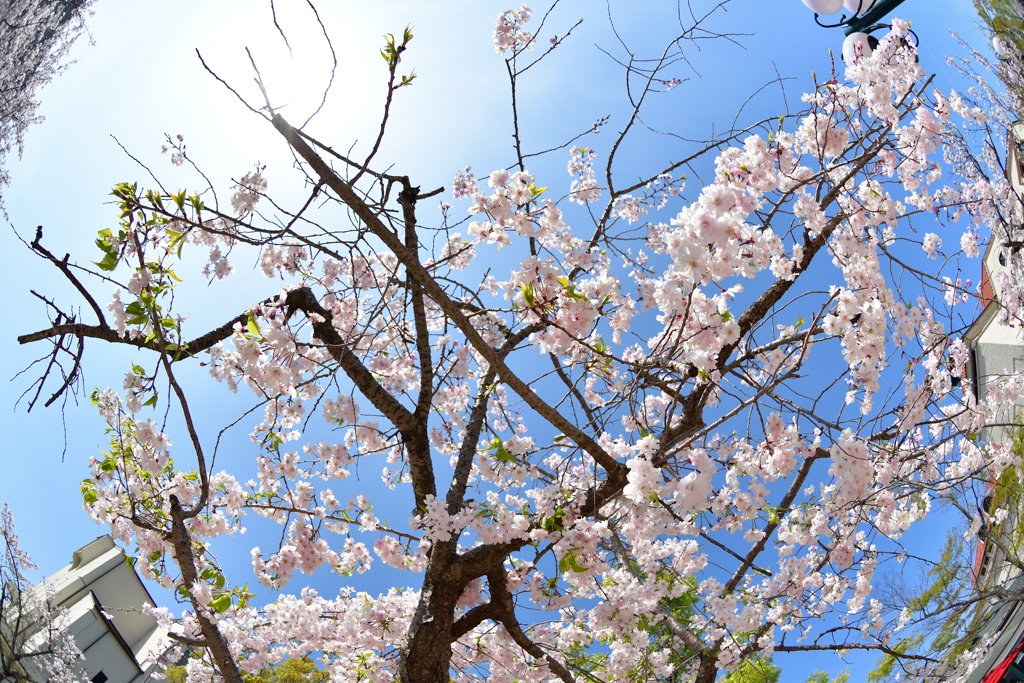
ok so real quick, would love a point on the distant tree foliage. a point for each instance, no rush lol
(952, 603)
(298, 670)
(823, 677)
(757, 670)
(35, 643)
(35, 36)
(1005, 19)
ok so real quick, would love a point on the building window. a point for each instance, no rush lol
(99, 678)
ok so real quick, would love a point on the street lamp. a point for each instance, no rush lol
(863, 20)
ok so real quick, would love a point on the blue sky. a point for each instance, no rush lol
(140, 78)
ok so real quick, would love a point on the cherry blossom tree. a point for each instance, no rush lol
(957, 599)
(34, 640)
(35, 36)
(676, 430)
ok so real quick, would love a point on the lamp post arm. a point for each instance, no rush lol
(866, 22)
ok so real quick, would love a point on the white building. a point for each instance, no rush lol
(998, 350)
(104, 596)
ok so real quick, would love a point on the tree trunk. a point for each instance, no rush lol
(427, 653)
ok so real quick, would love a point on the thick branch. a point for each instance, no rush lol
(474, 425)
(107, 334)
(451, 309)
(507, 613)
(854, 646)
(473, 618)
(782, 509)
(62, 264)
(464, 465)
(407, 198)
(412, 429)
(185, 640)
(300, 299)
(215, 640)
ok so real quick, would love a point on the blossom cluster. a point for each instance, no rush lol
(617, 497)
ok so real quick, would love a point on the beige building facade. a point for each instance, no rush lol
(103, 597)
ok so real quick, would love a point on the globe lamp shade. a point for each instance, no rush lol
(1000, 47)
(856, 46)
(824, 7)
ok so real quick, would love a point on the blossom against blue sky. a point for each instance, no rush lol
(143, 80)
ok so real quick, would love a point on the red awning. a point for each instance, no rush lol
(996, 674)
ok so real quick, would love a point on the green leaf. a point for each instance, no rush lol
(498, 448)
(177, 240)
(800, 322)
(179, 199)
(222, 603)
(254, 328)
(528, 295)
(108, 263)
(570, 289)
(502, 454)
(88, 491)
(554, 522)
(103, 242)
(568, 562)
